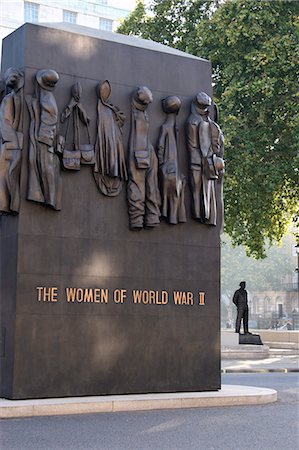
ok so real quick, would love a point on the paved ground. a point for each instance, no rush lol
(267, 427)
(272, 363)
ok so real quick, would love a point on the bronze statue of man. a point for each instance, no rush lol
(240, 299)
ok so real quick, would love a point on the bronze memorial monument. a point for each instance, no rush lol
(110, 216)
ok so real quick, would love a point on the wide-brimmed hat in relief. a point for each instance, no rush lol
(47, 79)
(203, 99)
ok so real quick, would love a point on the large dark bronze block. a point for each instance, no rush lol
(145, 313)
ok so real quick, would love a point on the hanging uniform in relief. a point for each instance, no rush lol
(110, 166)
(11, 141)
(205, 146)
(77, 153)
(142, 191)
(44, 179)
(172, 184)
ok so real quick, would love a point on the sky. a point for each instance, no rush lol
(124, 4)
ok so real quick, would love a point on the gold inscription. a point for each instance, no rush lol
(119, 296)
(79, 295)
(201, 298)
(150, 297)
(47, 294)
(183, 298)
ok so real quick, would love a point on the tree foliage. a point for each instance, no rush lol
(170, 22)
(253, 47)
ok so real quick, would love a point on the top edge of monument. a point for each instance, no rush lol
(118, 38)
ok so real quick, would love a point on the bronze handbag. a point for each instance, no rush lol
(71, 157)
(87, 151)
(142, 159)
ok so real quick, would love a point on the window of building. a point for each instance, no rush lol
(295, 280)
(267, 304)
(69, 16)
(255, 302)
(105, 24)
(31, 11)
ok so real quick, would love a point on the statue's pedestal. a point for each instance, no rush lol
(232, 348)
(252, 339)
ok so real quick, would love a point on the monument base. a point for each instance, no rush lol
(253, 339)
(229, 395)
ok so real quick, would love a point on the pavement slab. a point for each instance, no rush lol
(229, 395)
(273, 363)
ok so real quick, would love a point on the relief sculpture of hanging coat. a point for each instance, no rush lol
(77, 153)
(11, 141)
(44, 180)
(143, 190)
(205, 146)
(110, 166)
(171, 182)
